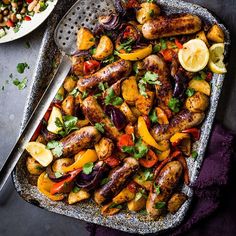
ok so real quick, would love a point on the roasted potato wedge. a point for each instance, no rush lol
(69, 83)
(128, 113)
(137, 205)
(77, 196)
(124, 196)
(33, 166)
(200, 86)
(147, 12)
(130, 90)
(216, 34)
(104, 148)
(85, 39)
(110, 209)
(144, 104)
(141, 180)
(68, 105)
(198, 102)
(104, 49)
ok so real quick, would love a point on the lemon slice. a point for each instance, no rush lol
(216, 62)
(40, 153)
(194, 55)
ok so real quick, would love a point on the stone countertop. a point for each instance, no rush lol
(20, 218)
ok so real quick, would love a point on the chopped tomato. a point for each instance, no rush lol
(29, 1)
(132, 4)
(195, 132)
(9, 23)
(149, 160)
(112, 161)
(132, 186)
(60, 186)
(168, 54)
(130, 33)
(27, 18)
(125, 140)
(91, 66)
(178, 44)
(209, 76)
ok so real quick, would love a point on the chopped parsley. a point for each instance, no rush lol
(190, 92)
(20, 84)
(104, 181)
(21, 67)
(194, 155)
(174, 104)
(163, 44)
(88, 168)
(153, 116)
(84, 94)
(140, 194)
(148, 175)
(151, 13)
(126, 45)
(103, 86)
(109, 60)
(58, 174)
(160, 205)
(59, 97)
(75, 189)
(156, 48)
(112, 99)
(157, 188)
(74, 92)
(56, 148)
(114, 205)
(149, 78)
(27, 44)
(100, 127)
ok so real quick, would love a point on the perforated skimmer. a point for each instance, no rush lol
(82, 13)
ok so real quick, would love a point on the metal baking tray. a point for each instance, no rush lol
(89, 211)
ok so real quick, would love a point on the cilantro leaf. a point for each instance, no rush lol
(100, 127)
(109, 60)
(194, 155)
(59, 97)
(84, 94)
(190, 92)
(103, 86)
(153, 116)
(114, 205)
(58, 174)
(128, 149)
(88, 168)
(75, 189)
(69, 123)
(56, 148)
(160, 205)
(156, 48)
(21, 67)
(174, 104)
(104, 181)
(20, 84)
(126, 45)
(112, 99)
(163, 44)
(157, 188)
(148, 175)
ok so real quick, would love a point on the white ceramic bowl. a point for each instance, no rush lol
(28, 26)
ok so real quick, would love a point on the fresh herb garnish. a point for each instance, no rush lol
(140, 194)
(109, 60)
(88, 168)
(103, 86)
(143, 212)
(58, 174)
(174, 104)
(112, 99)
(126, 45)
(156, 48)
(75, 189)
(153, 116)
(163, 44)
(27, 44)
(74, 92)
(160, 205)
(104, 181)
(190, 92)
(194, 155)
(149, 78)
(20, 84)
(114, 205)
(100, 127)
(84, 94)
(21, 67)
(68, 124)
(56, 148)
(151, 13)
(148, 175)
(128, 149)
(157, 188)
(59, 97)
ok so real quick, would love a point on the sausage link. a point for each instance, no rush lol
(166, 26)
(184, 120)
(117, 180)
(110, 74)
(78, 140)
(167, 180)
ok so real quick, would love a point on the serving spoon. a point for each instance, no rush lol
(80, 14)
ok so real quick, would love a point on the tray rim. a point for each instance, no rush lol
(202, 145)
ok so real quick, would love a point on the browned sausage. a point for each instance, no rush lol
(166, 181)
(166, 26)
(78, 140)
(117, 180)
(183, 120)
(94, 113)
(157, 64)
(110, 74)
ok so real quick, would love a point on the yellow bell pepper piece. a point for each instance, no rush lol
(88, 156)
(137, 54)
(164, 155)
(178, 137)
(146, 136)
(44, 185)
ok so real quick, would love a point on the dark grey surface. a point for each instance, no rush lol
(20, 218)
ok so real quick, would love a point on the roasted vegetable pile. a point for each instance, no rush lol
(121, 127)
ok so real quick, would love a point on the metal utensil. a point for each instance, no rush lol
(80, 14)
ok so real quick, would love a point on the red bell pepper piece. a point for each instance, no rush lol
(9, 23)
(209, 76)
(149, 160)
(183, 162)
(36, 132)
(58, 187)
(112, 161)
(27, 18)
(178, 44)
(195, 132)
(132, 186)
(168, 54)
(125, 140)
(29, 1)
(91, 66)
(132, 4)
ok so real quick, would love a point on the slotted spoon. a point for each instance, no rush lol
(82, 13)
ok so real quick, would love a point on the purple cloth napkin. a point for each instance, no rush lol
(211, 184)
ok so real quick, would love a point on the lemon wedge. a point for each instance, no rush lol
(40, 153)
(55, 115)
(216, 62)
(194, 55)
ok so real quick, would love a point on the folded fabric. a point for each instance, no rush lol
(213, 177)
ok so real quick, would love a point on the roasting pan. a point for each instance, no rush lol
(88, 211)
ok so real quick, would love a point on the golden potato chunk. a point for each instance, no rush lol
(104, 148)
(197, 103)
(216, 34)
(144, 104)
(124, 196)
(200, 86)
(85, 39)
(77, 196)
(33, 166)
